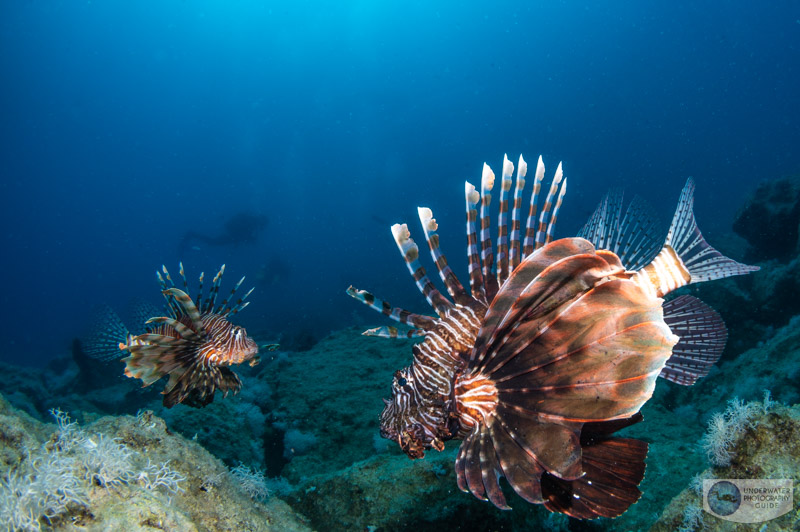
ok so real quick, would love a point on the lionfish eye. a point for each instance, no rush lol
(402, 381)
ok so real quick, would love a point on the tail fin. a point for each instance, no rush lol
(106, 333)
(703, 261)
(686, 257)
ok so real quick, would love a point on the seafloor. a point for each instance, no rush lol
(298, 448)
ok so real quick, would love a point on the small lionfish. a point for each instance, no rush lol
(195, 344)
(554, 349)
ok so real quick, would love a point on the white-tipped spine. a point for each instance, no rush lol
(539, 171)
(402, 236)
(508, 169)
(426, 217)
(487, 179)
(471, 194)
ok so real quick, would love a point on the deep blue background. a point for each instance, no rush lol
(125, 124)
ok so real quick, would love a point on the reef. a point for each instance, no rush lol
(770, 220)
(309, 420)
(121, 473)
(755, 440)
(298, 448)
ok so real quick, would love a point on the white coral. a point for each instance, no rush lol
(252, 481)
(155, 476)
(725, 428)
(107, 461)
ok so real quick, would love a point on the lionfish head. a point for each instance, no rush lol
(403, 420)
(235, 346)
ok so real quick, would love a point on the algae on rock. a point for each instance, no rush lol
(132, 492)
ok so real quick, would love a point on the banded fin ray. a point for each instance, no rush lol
(529, 245)
(502, 222)
(545, 218)
(186, 306)
(398, 314)
(408, 248)
(516, 223)
(702, 336)
(633, 237)
(476, 281)
(211, 299)
(387, 331)
(487, 255)
(486, 277)
(454, 286)
(182, 330)
(703, 261)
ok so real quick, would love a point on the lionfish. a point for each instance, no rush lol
(556, 346)
(195, 344)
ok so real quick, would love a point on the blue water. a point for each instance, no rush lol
(126, 124)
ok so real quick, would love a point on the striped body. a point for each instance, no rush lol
(556, 346)
(420, 414)
(223, 343)
(194, 345)
(664, 274)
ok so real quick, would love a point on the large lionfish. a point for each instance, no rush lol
(553, 350)
(195, 344)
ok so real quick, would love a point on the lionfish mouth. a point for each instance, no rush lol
(413, 447)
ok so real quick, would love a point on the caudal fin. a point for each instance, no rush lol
(686, 257)
(703, 262)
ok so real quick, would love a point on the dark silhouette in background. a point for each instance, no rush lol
(240, 229)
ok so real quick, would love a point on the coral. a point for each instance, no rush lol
(40, 490)
(122, 473)
(106, 461)
(725, 428)
(767, 447)
(155, 476)
(693, 517)
(251, 481)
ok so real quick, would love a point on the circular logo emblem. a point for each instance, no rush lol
(724, 498)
